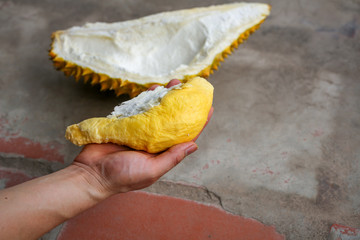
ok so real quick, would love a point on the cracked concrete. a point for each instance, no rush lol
(186, 191)
(282, 147)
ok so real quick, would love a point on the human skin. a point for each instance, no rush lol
(30, 209)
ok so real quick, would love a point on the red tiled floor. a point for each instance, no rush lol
(32, 149)
(340, 232)
(139, 216)
(12, 177)
(11, 142)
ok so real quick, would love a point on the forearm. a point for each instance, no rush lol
(31, 209)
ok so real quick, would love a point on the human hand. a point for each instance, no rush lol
(121, 169)
(99, 171)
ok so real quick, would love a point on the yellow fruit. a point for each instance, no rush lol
(179, 117)
(129, 56)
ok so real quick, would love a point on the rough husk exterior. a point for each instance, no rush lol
(179, 118)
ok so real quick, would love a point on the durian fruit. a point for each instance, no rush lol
(130, 56)
(153, 121)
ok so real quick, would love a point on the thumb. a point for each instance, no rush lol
(171, 157)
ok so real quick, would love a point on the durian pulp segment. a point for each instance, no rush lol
(130, 56)
(180, 117)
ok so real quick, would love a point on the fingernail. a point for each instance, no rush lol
(192, 148)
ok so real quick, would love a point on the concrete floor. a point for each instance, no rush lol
(282, 147)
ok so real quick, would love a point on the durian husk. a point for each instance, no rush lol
(123, 86)
(180, 117)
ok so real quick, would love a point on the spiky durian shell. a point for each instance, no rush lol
(123, 86)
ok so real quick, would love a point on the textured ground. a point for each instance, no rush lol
(282, 147)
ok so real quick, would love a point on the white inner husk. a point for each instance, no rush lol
(161, 46)
(142, 103)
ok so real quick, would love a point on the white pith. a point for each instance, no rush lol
(158, 47)
(142, 103)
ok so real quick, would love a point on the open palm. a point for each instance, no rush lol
(121, 169)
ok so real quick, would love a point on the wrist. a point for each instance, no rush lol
(92, 183)
(30, 209)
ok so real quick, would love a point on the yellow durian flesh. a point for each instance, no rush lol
(180, 116)
(129, 56)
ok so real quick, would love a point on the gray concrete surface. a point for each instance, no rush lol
(283, 145)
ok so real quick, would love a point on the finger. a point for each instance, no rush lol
(153, 87)
(171, 157)
(207, 121)
(173, 82)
